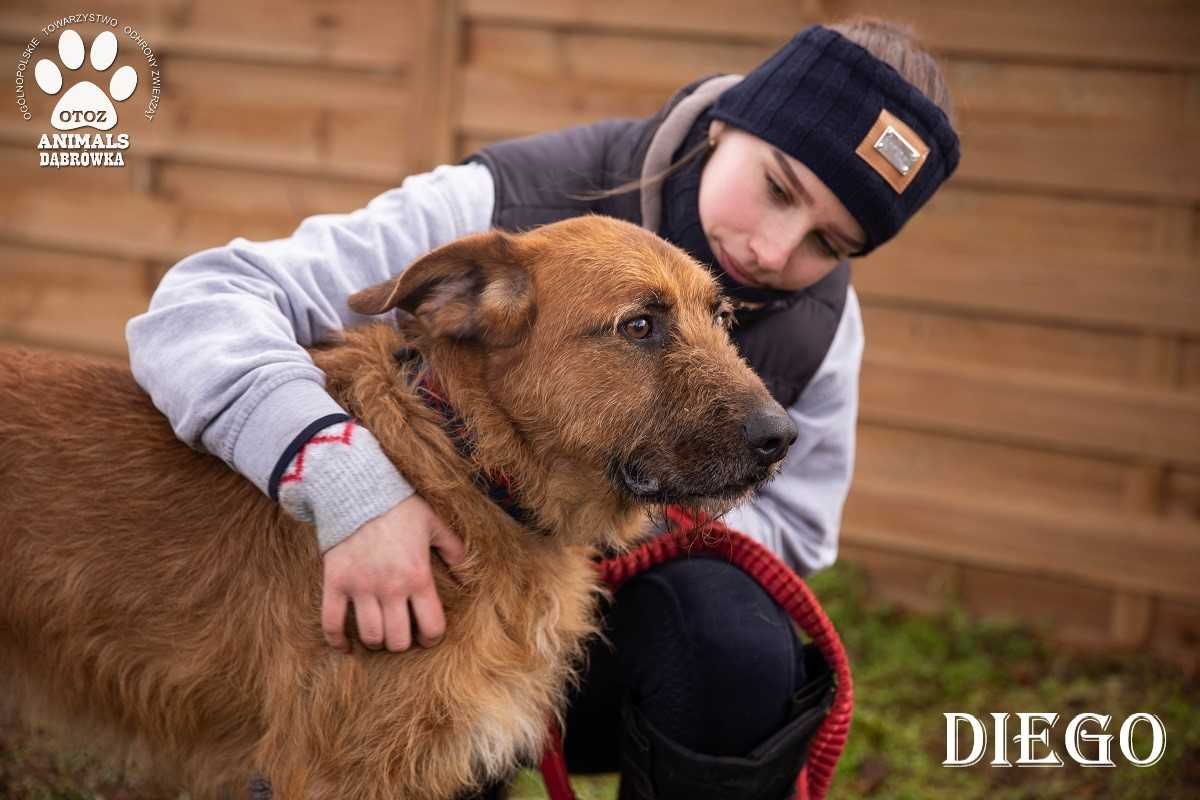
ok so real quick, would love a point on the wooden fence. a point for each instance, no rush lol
(1030, 423)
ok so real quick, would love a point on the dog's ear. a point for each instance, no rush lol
(477, 287)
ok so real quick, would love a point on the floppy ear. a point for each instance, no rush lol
(477, 287)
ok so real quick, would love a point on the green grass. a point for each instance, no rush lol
(908, 670)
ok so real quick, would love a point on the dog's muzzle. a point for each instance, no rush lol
(708, 465)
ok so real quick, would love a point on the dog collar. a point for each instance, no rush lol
(497, 486)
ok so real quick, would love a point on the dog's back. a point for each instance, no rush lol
(109, 521)
(152, 590)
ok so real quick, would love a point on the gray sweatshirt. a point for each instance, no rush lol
(221, 352)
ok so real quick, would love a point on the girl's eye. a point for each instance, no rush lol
(776, 191)
(827, 248)
(637, 328)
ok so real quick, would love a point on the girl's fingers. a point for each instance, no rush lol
(333, 619)
(448, 544)
(397, 624)
(369, 618)
(429, 617)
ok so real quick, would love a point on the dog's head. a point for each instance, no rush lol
(603, 344)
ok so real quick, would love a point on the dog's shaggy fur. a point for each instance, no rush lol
(150, 590)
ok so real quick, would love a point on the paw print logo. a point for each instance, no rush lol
(85, 105)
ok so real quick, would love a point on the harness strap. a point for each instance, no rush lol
(497, 486)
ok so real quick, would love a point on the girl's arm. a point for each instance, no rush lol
(798, 515)
(221, 350)
(221, 353)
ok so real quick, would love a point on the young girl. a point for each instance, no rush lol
(773, 181)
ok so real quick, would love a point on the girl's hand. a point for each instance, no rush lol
(384, 567)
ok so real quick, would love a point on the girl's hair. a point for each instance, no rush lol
(893, 43)
(896, 45)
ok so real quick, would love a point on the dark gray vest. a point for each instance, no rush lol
(547, 177)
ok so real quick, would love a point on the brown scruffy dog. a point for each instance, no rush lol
(150, 591)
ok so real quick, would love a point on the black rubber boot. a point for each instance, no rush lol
(654, 767)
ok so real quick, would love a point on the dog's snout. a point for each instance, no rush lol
(769, 432)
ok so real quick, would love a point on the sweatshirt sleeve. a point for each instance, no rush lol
(221, 349)
(798, 515)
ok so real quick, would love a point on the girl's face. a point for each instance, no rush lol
(769, 220)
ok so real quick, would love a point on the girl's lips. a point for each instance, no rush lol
(732, 267)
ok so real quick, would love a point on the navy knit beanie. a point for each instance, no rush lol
(879, 144)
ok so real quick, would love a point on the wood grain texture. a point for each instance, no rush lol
(1157, 33)
(1072, 611)
(1080, 416)
(1064, 128)
(68, 301)
(364, 35)
(1136, 552)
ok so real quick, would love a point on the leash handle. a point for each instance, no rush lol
(689, 535)
(554, 767)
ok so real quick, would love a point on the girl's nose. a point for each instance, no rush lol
(773, 248)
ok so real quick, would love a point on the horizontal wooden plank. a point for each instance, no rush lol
(763, 18)
(377, 33)
(1069, 610)
(133, 225)
(127, 226)
(913, 582)
(370, 34)
(1086, 417)
(1181, 495)
(1175, 634)
(191, 207)
(1158, 32)
(1124, 551)
(1059, 128)
(977, 468)
(301, 119)
(506, 104)
(646, 63)
(1065, 611)
(19, 165)
(66, 301)
(1109, 31)
(315, 115)
(1113, 356)
(1132, 615)
(1075, 261)
(1189, 365)
(280, 162)
(198, 186)
(1077, 129)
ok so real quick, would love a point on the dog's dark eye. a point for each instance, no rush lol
(637, 328)
(724, 318)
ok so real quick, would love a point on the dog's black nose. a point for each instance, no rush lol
(769, 433)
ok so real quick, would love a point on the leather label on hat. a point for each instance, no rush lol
(893, 150)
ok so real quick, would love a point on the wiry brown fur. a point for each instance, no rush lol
(149, 589)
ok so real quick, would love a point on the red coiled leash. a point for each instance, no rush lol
(785, 587)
